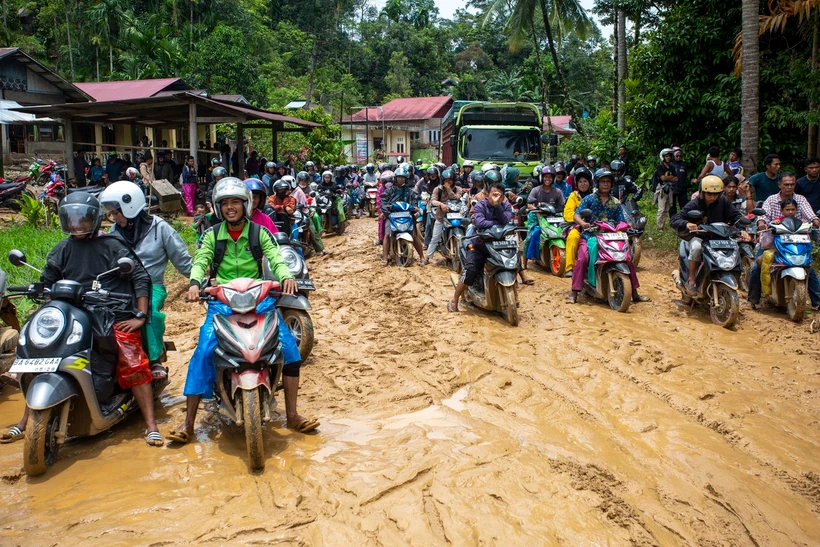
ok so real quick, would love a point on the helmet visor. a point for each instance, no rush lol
(78, 219)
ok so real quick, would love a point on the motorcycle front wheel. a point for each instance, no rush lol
(404, 253)
(725, 314)
(620, 292)
(452, 251)
(635, 251)
(252, 414)
(508, 299)
(797, 295)
(558, 261)
(746, 264)
(40, 445)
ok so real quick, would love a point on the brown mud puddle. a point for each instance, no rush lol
(580, 427)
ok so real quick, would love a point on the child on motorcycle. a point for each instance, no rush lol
(583, 182)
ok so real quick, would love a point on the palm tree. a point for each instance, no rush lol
(558, 15)
(508, 86)
(750, 85)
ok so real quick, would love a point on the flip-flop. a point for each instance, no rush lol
(571, 299)
(641, 299)
(182, 436)
(154, 438)
(306, 426)
(158, 372)
(529, 282)
(450, 308)
(11, 435)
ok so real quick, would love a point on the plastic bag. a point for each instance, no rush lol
(132, 366)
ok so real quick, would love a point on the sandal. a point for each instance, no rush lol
(571, 299)
(528, 282)
(306, 426)
(183, 436)
(154, 438)
(158, 372)
(11, 435)
(641, 298)
(451, 309)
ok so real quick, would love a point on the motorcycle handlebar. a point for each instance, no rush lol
(18, 289)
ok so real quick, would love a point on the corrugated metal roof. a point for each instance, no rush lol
(405, 109)
(130, 89)
(72, 92)
(560, 124)
(10, 117)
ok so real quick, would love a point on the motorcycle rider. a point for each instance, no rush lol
(217, 174)
(787, 185)
(583, 181)
(426, 186)
(605, 208)
(446, 191)
(561, 180)
(300, 195)
(399, 191)
(545, 194)
(624, 186)
(466, 170)
(385, 181)
(284, 205)
(81, 257)
(715, 207)
(232, 202)
(155, 243)
(328, 185)
(492, 211)
(310, 167)
(270, 176)
(259, 206)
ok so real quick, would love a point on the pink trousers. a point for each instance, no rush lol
(189, 197)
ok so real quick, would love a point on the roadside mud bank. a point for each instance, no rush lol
(580, 427)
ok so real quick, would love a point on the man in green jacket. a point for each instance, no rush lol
(232, 205)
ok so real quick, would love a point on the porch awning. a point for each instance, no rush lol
(8, 116)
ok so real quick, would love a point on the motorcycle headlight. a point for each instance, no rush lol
(618, 256)
(797, 260)
(292, 260)
(46, 327)
(243, 302)
(76, 333)
(726, 262)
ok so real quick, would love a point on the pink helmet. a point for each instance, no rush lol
(386, 177)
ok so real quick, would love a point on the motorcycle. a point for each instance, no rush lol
(497, 289)
(747, 257)
(294, 309)
(11, 194)
(371, 190)
(553, 247)
(325, 204)
(301, 229)
(40, 171)
(421, 219)
(790, 269)
(248, 359)
(611, 283)
(717, 278)
(66, 363)
(50, 197)
(401, 234)
(8, 333)
(638, 222)
(455, 222)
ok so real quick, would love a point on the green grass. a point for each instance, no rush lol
(36, 243)
(666, 239)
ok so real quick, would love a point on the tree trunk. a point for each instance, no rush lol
(621, 69)
(5, 10)
(615, 64)
(750, 87)
(543, 78)
(98, 63)
(813, 144)
(637, 27)
(312, 71)
(191, 30)
(561, 81)
(70, 52)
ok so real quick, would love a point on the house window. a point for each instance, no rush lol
(414, 135)
(434, 136)
(400, 147)
(46, 133)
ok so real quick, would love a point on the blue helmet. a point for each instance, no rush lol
(255, 185)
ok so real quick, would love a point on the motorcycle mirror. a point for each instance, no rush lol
(758, 211)
(743, 221)
(473, 203)
(17, 258)
(125, 265)
(519, 200)
(585, 213)
(313, 194)
(694, 216)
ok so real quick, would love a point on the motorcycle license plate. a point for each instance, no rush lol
(305, 285)
(795, 238)
(555, 220)
(505, 244)
(45, 364)
(722, 244)
(453, 216)
(615, 236)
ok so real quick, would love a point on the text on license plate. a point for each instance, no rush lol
(305, 284)
(505, 244)
(44, 364)
(795, 238)
(615, 236)
(722, 244)
(452, 216)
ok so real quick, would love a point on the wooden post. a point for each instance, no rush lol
(98, 139)
(68, 133)
(274, 139)
(192, 129)
(240, 151)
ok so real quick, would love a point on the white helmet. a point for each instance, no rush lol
(131, 173)
(489, 167)
(290, 180)
(125, 196)
(468, 163)
(231, 187)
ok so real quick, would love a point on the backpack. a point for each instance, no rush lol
(221, 245)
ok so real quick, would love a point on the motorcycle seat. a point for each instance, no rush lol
(87, 189)
(8, 185)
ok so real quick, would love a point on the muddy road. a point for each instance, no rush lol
(580, 427)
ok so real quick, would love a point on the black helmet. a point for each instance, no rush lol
(270, 165)
(302, 176)
(220, 172)
(603, 173)
(547, 170)
(477, 177)
(617, 166)
(448, 174)
(492, 177)
(339, 171)
(432, 171)
(280, 186)
(80, 214)
(583, 172)
(310, 164)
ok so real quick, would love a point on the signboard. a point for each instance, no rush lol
(361, 147)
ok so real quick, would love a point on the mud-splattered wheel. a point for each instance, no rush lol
(620, 292)
(746, 264)
(635, 250)
(301, 326)
(558, 261)
(404, 253)
(252, 413)
(510, 305)
(797, 295)
(452, 250)
(726, 312)
(40, 445)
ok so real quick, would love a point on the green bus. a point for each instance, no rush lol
(492, 132)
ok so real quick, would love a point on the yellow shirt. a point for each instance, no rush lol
(573, 201)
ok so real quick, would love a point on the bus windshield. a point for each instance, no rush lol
(519, 145)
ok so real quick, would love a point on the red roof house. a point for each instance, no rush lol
(412, 109)
(131, 89)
